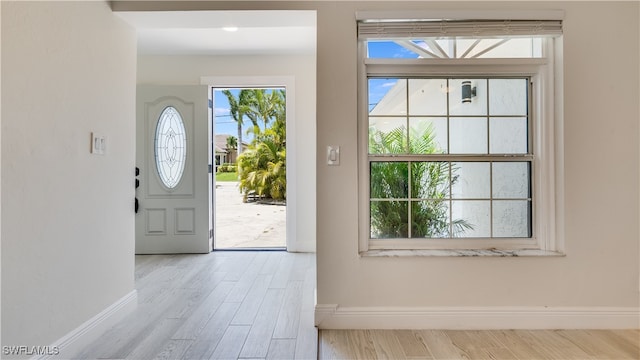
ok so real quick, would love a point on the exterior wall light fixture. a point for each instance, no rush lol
(467, 91)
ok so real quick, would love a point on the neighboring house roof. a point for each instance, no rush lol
(221, 143)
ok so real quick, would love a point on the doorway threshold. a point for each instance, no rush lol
(253, 249)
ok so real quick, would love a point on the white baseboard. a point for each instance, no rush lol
(331, 316)
(91, 329)
(303, 247)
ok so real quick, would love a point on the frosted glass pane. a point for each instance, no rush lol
(389, 219)
(387, 135)
(472, 218)
(511, 219)
(170, 147)
(471, 180)
(430, 180)
(478, 104)
(427, 97)
(511, 180)
(429, 219)
(428, 135)
(387, 96)
(508, 97)
(508, 135)
(468, 135)
(389, 180)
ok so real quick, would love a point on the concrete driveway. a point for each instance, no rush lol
(246, 225)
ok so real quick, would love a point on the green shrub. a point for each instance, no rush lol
(227, 167)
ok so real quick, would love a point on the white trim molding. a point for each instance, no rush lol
(332, 316)
(91, 329)
(288, 82)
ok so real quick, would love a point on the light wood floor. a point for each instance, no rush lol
(486, 344)
(223, 305)
(259, 305)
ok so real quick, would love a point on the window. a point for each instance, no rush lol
(170, 147)
(456, 134)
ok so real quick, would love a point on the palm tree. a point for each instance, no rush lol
(430, 181)
(232, 142)
(262, 109)
(238, 109)
(262, 169)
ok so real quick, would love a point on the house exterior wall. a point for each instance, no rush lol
(68, 69)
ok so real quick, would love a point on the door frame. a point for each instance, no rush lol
(288, 83)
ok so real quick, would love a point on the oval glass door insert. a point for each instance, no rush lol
(170, 147)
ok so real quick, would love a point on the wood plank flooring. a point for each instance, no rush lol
(223, 305)
(260, 305)
(476, 344)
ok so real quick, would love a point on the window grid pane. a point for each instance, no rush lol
(450, 199)
(447, 199)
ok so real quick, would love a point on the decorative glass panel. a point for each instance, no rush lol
(170, 147)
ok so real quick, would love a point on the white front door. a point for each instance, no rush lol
(172, 155)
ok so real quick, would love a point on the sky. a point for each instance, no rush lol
(224, 122)
(225, 125)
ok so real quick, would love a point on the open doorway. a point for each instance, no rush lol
(269, 48)
(250, 187)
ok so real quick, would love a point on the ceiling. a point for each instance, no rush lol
(202, 33)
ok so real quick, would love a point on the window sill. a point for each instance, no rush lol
(463, 253)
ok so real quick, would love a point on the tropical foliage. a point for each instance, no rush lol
(238, 107)
(419, 188)
(262, 166)
(232, 142)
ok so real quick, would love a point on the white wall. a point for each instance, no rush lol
(601, 158)
(188, 70)
(601, 180)
(68, 69)
(47, 268)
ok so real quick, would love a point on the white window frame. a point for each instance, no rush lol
(546, 117)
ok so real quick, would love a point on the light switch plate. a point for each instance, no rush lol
(333, 155)
(98, 144)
